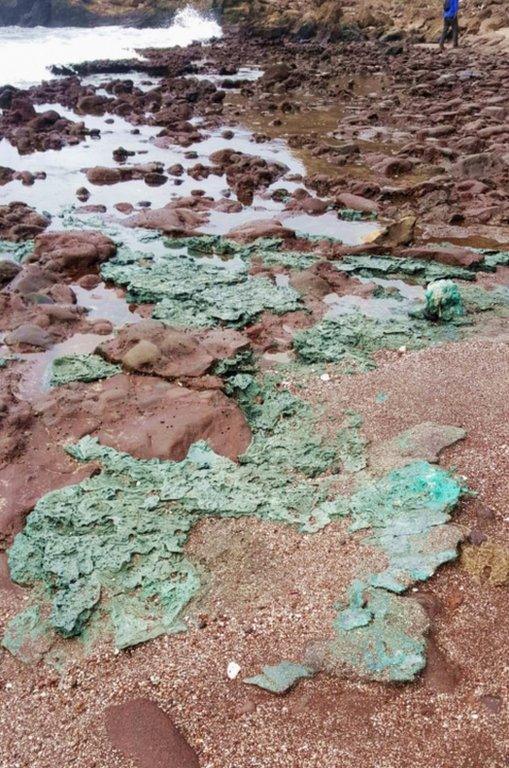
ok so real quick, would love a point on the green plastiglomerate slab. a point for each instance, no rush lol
(383, 266)
(268, 251)
(350, 214)
(352, 444)
(28, 635)
(355, 338)
(81, 368)
(17, 251)
(378, 635)
(195, 291)
(280, 677)
(494, 259)
(408, 511)
(284, 428)
(116, 539)
(110, 550)
(478, 299)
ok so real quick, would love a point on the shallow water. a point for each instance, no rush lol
(35, 379)
(27, 54)
(65, 170)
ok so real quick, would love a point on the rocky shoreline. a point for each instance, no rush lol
(254, 376)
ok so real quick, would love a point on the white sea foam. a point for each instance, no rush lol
(27, 53)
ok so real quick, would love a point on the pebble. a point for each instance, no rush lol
(232, 670)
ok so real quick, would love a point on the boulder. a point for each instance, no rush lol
(356, 203)
(75, 249)
(8, 271)
(102, 176)
(20, 222)
(172, 353)
(171, 221)
(28, 335)
(252, 230)
(478, 166)
(156, 419)
(398, 233)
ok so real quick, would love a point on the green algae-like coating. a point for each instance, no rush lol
(355, 337)
(81, 368)
(280, 677)
(194, 291)
(391, 646)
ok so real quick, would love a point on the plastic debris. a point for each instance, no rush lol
(16, 251)
(81, 368)
(443, 301)
(382, 266)
(197, 292)
(352, 444)
(354, 338)
(493, 258)
(380, 636)
(116, 539)
(423, 441)
(281, 677)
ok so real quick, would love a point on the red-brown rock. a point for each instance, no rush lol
(75, 249)
(152, 347)
(252, 230)
(145, 734)
(20, 222)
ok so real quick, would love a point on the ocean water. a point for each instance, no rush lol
(27, 53)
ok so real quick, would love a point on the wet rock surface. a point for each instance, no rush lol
(172, 353)
(20, 222)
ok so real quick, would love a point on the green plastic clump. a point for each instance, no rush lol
(383, 266)
(352, 444)
(16, 251)
(193, 291)
(379, 636)
(116, 539)
(280, 677)
(493, 258)
(354, 338)
(81, 368)
(478, 299)
(443, 301)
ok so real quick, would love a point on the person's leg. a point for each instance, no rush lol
(445, 30)
(455, 31)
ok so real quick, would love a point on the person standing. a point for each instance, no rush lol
(451, 9)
